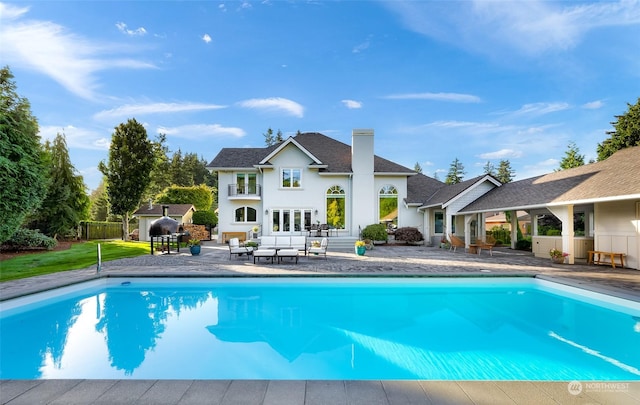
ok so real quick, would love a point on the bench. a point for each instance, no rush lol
(242, 236)
(596, 257)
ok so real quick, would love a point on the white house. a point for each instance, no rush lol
(313, 179)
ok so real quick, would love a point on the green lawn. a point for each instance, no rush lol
(79, 256)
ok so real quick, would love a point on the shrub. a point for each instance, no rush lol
(376, 232)
(408, 234)
(205, 218)
(554, 232)
(523, 244)
(29, 239)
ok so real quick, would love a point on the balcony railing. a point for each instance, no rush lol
(251, 190)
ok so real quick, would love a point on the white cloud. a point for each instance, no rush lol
(501, 154)
(206, 38)
(78, 138)
(541, 108)
(122, 27)
(198, 131)
(453, 97)
(593, 105)
(132, 110)
(528, 28)
(50, 49)
(352, 104)
(274, 103)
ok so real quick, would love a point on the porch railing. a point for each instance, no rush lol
(253, 190)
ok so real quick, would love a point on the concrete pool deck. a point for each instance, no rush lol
(381, 261)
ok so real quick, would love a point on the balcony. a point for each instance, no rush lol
(244, 192)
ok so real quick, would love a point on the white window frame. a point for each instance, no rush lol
(291, 171)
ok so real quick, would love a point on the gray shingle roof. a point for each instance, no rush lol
(614, 178)
(449, 192)
(335, 154)
(420, 188)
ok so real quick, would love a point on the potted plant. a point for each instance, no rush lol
(255, 230)
(557, 256)
(194, 246)
(360, 247)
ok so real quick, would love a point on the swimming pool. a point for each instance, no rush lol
(320, 328)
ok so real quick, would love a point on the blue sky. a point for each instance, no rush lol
(474, 80)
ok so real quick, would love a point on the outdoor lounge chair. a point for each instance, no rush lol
(319, 250)
(236, 249)
(488, 244)
(456, 242)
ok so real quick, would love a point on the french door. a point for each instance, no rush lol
(290, 220)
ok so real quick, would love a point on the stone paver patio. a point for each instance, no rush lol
(381, 261)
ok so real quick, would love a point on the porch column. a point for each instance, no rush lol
(482, 226)
(467, 228)
(426, 223)
(565, 214)
(514, 229)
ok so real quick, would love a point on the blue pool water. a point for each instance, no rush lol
(363, 328)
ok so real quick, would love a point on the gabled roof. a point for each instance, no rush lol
(330, 155)
(616, 178)
(420, 188)
(444, 195)
(156, 210)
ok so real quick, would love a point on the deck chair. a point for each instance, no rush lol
(487, 244)
(456, 242)
(236, 249)
(319, 250)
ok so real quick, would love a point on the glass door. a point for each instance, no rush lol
(291, 221)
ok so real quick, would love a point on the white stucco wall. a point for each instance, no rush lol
(616, 229)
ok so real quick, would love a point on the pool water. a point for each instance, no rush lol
(321, 328)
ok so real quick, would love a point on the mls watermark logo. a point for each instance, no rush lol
(574, 387)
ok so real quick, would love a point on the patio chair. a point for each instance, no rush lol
(487, 244)
(455, 242)
(319, 250)
(236, 249)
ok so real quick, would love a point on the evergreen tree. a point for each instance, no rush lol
(180, 174)
(456, 172)
(626, 133)
(268, 137)
(505, 174)
(131, 159)
(417, 168)
(489, 168)
(99, 210)
(279, 138)
(23, 182)
(66, 202)
(160, 174)
(572, 157)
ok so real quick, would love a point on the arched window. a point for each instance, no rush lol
(246, 214)
(336, 207)
(388, 204)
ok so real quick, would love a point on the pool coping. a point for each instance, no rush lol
(584, 285)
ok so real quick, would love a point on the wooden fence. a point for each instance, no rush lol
(101, 230)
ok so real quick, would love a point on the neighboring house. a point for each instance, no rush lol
(499, 219)
(313, 179)
(146, 215)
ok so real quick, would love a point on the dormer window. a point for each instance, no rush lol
(291, 178)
